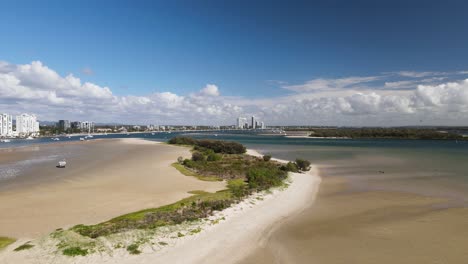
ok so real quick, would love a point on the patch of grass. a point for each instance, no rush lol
(133, 249)
(75, 251)
(161, 216)
(6, 241)
(195, 231)
(162, 243)
(179, 234)
(24, 246)
(182, 169)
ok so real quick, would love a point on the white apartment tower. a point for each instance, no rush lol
(241, 122)
(6, 125)
(27, 124)
(254, 123)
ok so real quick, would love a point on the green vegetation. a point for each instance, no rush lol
(238, 188)
(267, 157)
(303, 165)
(217, 146)
(25, 246)
(75, 251)
(189, 209)
(182, 169)
(402, 133)
(262, 178)
(133, 249)
(6, 241)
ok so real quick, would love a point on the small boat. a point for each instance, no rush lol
(5, 140)
(61, 164)
(82, 139)
(89, 136)
(29, 138)
(56, 139)
(152, 134)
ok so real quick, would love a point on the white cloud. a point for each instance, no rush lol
(210, 90)
(344, 101)
(330, 84)
(415, 74)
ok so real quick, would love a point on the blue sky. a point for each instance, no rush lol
(248, 49)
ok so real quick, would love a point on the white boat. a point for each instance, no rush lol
(29, 138)
(89, 136)
(82, 139)
(5, 140)
(62, 164)
(152, 134)
(56, 139)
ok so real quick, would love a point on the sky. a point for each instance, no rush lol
(343, 63)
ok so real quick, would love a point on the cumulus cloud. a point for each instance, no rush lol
(344, 101)
(210, 90)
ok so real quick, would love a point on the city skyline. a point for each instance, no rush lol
(208, 63)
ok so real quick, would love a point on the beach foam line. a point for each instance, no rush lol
(246, 225)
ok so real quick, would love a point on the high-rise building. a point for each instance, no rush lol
(75, 125)
(64, 125)
(27, 124)
(87, 126)
(6, 125)
(241, 122)
(254, 123)
(262, 124)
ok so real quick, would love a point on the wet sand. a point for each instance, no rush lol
(349, 226)
(103, 179)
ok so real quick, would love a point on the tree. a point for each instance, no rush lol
(197, 156)
(303, 165)
(180, 160)
(266, 157)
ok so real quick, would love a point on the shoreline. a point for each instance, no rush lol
(268, 209)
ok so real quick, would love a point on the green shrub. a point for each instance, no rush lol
(24, 247)
(262, 178)
(213, 157)
(238, 188)
(182, 141)
(133, 249)
(266, 157)
(197, 156)
(292, 167)
(217, 146)
(303, 165)
(75, 251)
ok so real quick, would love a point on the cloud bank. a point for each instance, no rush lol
(422, 98)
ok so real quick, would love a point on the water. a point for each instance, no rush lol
(432, 167)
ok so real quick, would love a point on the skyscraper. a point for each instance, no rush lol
(64, 125)
(27, 124)
(6, 125)
(254, 123)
